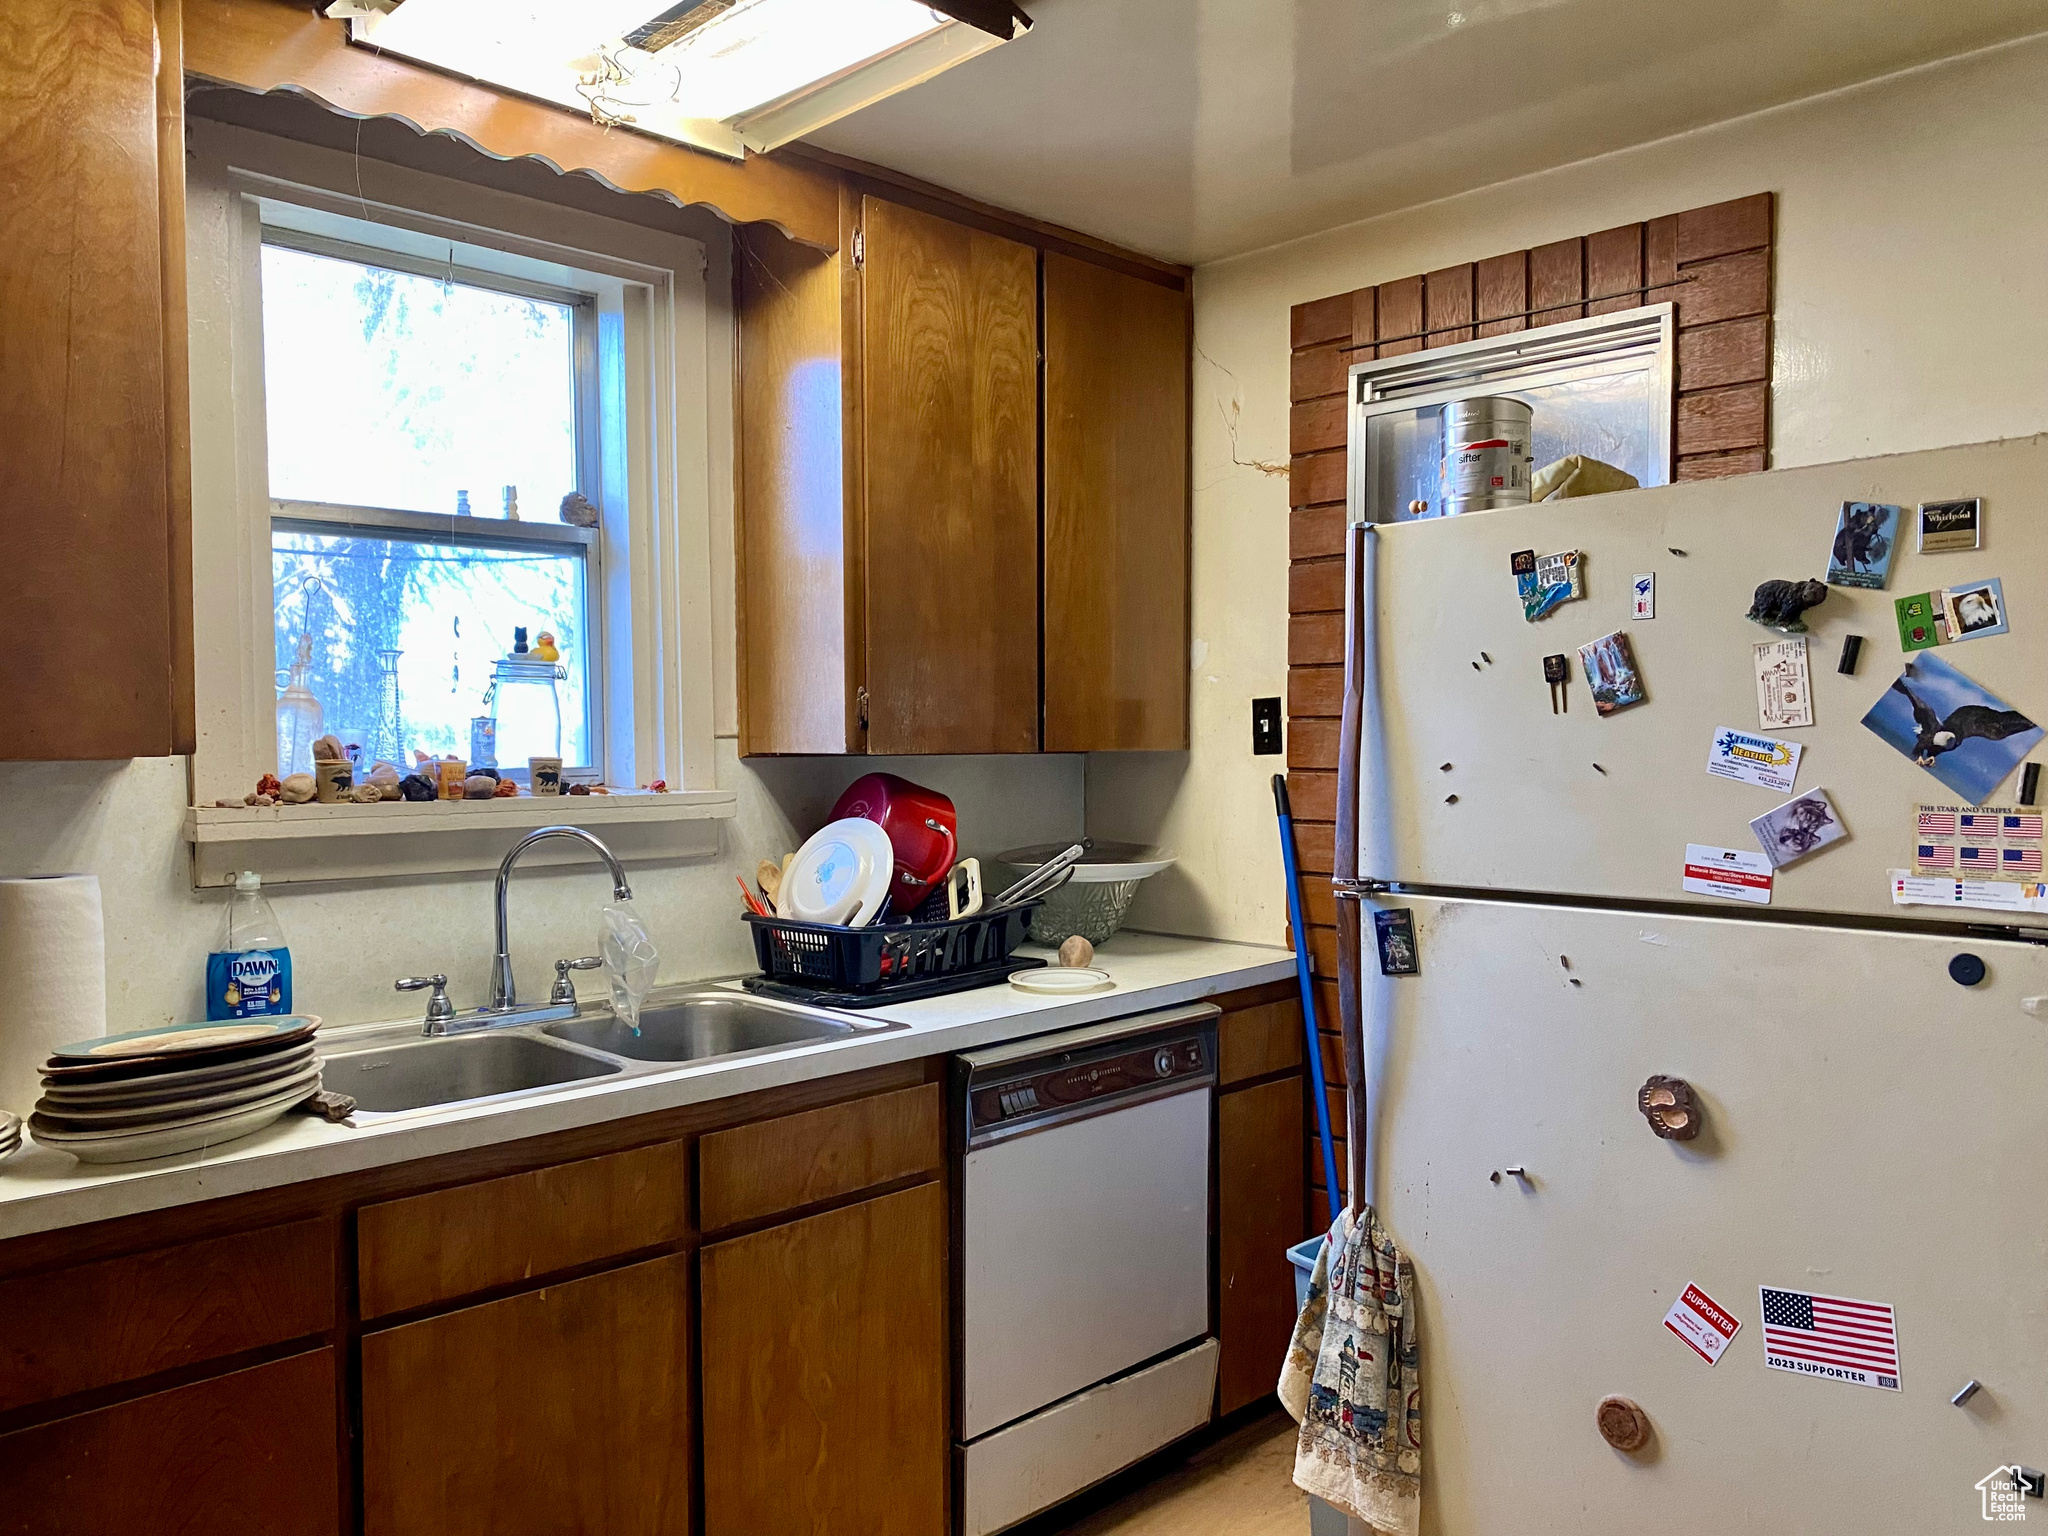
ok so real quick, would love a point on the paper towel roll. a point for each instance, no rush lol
(53, 977)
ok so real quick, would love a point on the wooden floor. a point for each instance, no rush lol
(1241, 1485)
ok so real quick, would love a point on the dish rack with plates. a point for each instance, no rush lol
(887, 962)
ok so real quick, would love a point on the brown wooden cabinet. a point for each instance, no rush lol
(1260, 1192)
(825, 1371)
(562, 1409)
(254, 1450)
(906, 584)
(1116, 510)
(92, 381)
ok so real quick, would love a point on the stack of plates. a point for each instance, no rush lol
(10, 1134)
(122, 1098)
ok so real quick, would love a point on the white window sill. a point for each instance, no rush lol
(294, 843)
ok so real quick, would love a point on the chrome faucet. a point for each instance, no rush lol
(504, 991)
(503, 1008)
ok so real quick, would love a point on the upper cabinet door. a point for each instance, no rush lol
(1116, 511)
(92, 383)
(949, 352)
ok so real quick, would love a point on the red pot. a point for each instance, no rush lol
(922, 828)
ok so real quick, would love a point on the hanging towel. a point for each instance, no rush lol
(1352, 1380)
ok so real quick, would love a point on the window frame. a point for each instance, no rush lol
(655, 463)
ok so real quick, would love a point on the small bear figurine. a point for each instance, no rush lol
(1779, 604)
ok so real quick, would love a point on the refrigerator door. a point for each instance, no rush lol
(1873, 1131)
(1572, 802)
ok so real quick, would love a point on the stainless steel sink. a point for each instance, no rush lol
(416, 1073)
(707, 1024)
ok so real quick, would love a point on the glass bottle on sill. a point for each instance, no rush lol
(299, 720)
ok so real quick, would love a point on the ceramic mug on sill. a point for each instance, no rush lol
(544, 775)
(449, 774)
(332, 781)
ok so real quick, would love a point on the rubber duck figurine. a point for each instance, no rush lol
(544, 647)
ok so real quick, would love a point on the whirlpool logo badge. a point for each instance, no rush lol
(2005, 1491)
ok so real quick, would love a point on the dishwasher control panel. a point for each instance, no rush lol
(1060, 1084)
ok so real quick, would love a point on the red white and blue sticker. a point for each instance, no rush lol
(1704, 1324)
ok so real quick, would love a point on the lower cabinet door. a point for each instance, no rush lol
(825, 1373)
(255, 1450)
(563, 1410)
(1259, 1195)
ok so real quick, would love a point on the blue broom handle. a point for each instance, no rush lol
(1308, 995)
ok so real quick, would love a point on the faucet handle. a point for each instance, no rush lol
(564, 990)
(439, 1009)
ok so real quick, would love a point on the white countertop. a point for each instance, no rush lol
(41, 1189)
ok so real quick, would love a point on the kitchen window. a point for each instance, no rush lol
(381, 357)
(424, 430)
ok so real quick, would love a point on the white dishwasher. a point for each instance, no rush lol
(1083, 1273)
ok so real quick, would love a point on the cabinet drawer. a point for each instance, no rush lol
(252, 1451)
(96, 1325)
(773, 1166)
(1251, 1042)
(456, 1242)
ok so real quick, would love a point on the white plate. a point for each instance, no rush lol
(135, 1146)
(177, 1110)
(1090, 871)
(1063, 980)
(840, 876)
(159, 1087)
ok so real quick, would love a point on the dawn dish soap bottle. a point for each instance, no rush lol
(249, 973)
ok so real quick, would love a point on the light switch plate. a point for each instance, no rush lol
(1265, 727)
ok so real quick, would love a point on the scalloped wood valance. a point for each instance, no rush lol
(270, 45)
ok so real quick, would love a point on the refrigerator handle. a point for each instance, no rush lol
(1361, 548)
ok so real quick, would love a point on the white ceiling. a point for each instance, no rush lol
(1198, 129)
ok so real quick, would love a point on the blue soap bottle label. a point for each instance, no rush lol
(248, 984)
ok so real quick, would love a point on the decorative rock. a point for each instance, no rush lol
(366, 794)
(390, 791)
(506, 790)
(297, 789)
(488, 773)
(579, 789)
(577, 511)
(267, 785)
(262, 801)
(415, 787)
(328, 749)
(479, 786)
(235, 805)
(382, 772)
(1077, 952)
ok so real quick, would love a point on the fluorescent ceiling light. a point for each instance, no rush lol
(722, 75)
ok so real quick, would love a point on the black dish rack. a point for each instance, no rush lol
(893, 962)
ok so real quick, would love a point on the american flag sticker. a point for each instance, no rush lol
(1978, 824)
(2019, 861)
(2022, 826)
(1831, 1336)
(1935, 821)
(1973, 858)
(1934, 856)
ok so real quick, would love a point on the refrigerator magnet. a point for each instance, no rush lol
(1866, 542)
(1799, 827)
(1784, 686)
(1974, 610)
(1557, 671)
(1394, 929)
(1921, 626)
(1544, 582)
(1646, 596)
(1946, 526)
(1954, 727)
(1610, 668)
(1734, 873)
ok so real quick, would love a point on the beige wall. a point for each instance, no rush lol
(1912, 312)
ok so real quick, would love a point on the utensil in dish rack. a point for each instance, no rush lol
(1046, 877)
(963, 889)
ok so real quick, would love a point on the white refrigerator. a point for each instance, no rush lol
(1876, 1130)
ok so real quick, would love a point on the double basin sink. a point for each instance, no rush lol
(406, 1071)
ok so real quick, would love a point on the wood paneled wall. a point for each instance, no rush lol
(1714, 264)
